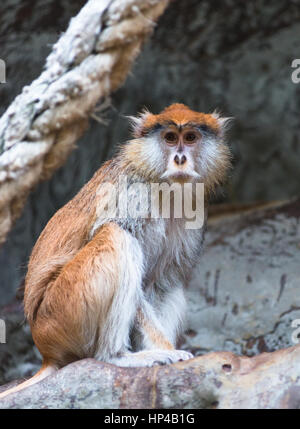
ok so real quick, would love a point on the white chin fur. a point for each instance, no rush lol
(180, 175)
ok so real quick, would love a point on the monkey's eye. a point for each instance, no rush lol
(171, 137)
(190, 137)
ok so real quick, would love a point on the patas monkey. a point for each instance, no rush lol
(111, 288)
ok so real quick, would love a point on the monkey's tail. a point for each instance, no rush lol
(46, 370)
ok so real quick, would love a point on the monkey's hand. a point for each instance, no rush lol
(151, 358)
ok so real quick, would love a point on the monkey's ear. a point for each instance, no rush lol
(224, 122)
(138, 122)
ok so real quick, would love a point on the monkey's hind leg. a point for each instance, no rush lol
(89, 309)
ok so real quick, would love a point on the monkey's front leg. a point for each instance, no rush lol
(157, 348)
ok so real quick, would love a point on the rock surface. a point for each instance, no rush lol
(216, 380)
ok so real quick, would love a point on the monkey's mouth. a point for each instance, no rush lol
(181, 175)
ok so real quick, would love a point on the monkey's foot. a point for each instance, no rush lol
(151, 358)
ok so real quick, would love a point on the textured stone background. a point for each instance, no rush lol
(232, 55)
(244, 293)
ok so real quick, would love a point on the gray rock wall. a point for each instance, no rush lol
(244, 296)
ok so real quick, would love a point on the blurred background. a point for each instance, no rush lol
(231, 55)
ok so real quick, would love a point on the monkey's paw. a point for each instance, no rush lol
(152, 357)
(164, 357)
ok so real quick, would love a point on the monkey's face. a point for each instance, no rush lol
(181, 145)
(186, 153)
(181, 151)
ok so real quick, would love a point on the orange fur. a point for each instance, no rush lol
(154, 335)
(69, 317)
(180, 115)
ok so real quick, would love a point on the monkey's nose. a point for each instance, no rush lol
(180, 159)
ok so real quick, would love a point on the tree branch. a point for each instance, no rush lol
(216, 380)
